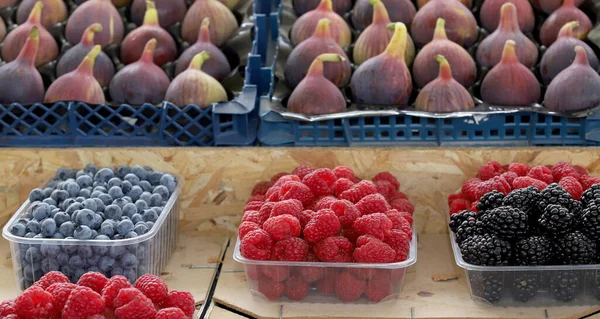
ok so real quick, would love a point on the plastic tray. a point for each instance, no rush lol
(152, 250)
(389, 276)
(546, 286)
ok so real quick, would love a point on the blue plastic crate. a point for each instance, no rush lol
(36, 125)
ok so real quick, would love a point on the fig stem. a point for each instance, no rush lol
(509, 55)
(323, 30)
(35, 17)
(440, 30)
(580, 56)
(199, 60)
(380, 14)
(316, 67)
(148, 54)
(87, 65)
(397, 44)
(88, 34)
(151, 15)
(204, 35)
(567, 29)
(326, 5)
(445, 70)
(29, 51)
(508, 18)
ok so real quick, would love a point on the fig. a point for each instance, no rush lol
(467, 3)
(224, 23)
(140, 82)
(375, 38)
(566, 13)
(8, 3)
(384, 79)
(489, 50)
(576, 88)
(117, 3)
(490, 14)
(399, 11)
(193, 86)
(14, 41)
(444, 94)
(230, 4)
(20, 81)
(132, 46)
(217, 66)
(315, 95)
(2, 29)
(425, 69)
(169, 11)
(561, 54)
(305, 26)
(55, 11)
(303, 56)
(510, 83)
(550, 6)
(96, 11)
(103, 67)
(303, 6)
(79, 85)
(461, 25)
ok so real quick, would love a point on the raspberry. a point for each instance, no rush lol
(387, 176)
(509, 177)
(273, 194)
(474, 207)
(320, 181)
(50, 278)
(374, 252)
(334, 249)
(397, 195)
(323, 224)
(282, 227)
(458, 205)
(379, 286)
(261, 188)
(324, 203)
(363, 273)
(346, 212)
(374, 203)
(246, 227)
(60, 293)
(257, 198)
(385, 188)
(302, 171)
(153, 287)
(358, 191)
(277, 176)
(562, 170)
(276, 273)
(125, 296)
(291, 207)
(291, 249)
(519, 168)
(487, 171)
(572, 186)
(326, 286)
(403, 205)
(454, 197)
(526, 181)
(407, 216)
(344, 172)
(182, 300)
(35, 303)
(82, 303)
(311, 274)
(94, 280)
(469, 189)
(376, 225)
(399, 221)
(253, 206)
(350, 234)
(399, 241)
(287, 178)
(8, 307)
(587, 181)
(256, 245)
(251, 216)
(170, 313)
(304, 217)
(140, 307)
(270, 289)
(265, 212)
(541, 173)
(580, 170)
(111, 289)
(296, 190)
(295, 288)
(340, 186)
(349, 288)
(11, 316)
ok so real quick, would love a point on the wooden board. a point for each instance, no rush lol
(220, 313)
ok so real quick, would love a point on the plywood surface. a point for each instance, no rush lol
(221, 313)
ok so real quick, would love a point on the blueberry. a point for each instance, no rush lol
(162, 191)
(140, 228)
(145, 185)
(99, 204)
(33, 255)
(117, 271)
(90, 204)
(66, 203)
(132, 178)
(73, 207)
(155, 200)
(94, 234)
(116, 251)
(38, 236)
(122, 170)
(100, 189)
(97, 222)
(150, 225)
(107, 229)
(37, 194)
(169, 181)
(49, 250)
(84, 193)
(69, 249)
(85, 217)
(41, 212)
(130, 274)
(136, 218)
(100, 184)
(91, 169)
(82, 232)
(77, 273)
(80, 173)
(48, 227)
(50, 264)
(48, 191)
(53, 212)
(124, 227)
(93, 260)
(66, 270)
(74, 216)
(102, 237)
(100, 250)
(150, 215)
(33, 226)
(58, 236)
(154, 177)
(115, 192)
(49, 201)
(18, 229)
(131, 234)
(121, 202)
(72, 189)
(106, 199)
(126, 187)
(62, 258)
(129, 210)
(117, 237)
(146, 196)
(29, 235)
(85, 251)
(95, 194)
(140, 172)
(104, 175)
(80, 199)
(128, 261)
(76, 262)
(94, 269)
(84, 181)
(58, 195)
(113, 212)
(32, 272)
(61, 218)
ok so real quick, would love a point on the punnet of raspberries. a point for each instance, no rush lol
(326, 216)
(97, 297)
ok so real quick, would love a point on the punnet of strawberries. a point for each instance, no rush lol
(97, 297)
(326, 216)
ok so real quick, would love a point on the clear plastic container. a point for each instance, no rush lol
(134, 257)
(530, 286)
(319, 282)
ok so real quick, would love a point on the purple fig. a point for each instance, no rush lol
(303, 56)
(561, 54)
(444, 94)
(14, 41)
(223, 21)
(467, 3)
(490, 14)
(79, 85)
(2, 29)
(55, 11)
(20, 81)
(550, 6)
(315, 94)
(306, 25)
(169, 11)
(510, 83)
(133, 44)
(103, 68)
(217, 66)
(193, 86)
(140, 82)
(385, 79)
(96, 11)
(303, 6)
(461, 25)
(575, 88)
(117, 3)
(399, 11)
(566, 13)
(8, 3)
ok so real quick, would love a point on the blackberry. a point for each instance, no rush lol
(565, 285)
(457, 219)
(525, 285)
(490, 201)
(575, 249)
(470, 227)
(525, 199)
(507, 222)
(555, 194)
(557, 220)
(590, 221)
(533, 251)
(488, 286)
(485, 250)
(592, 194)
